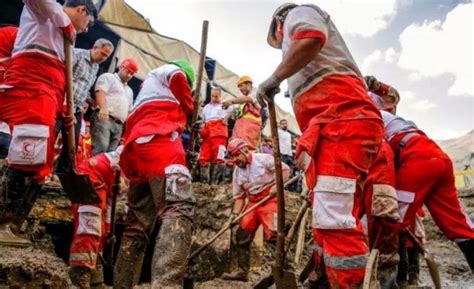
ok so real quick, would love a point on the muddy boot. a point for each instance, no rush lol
(129, 263)
(204, 170)
(242, 253)
(18, 193)
(413, 266)
(228, 171)
(80, 276)
(387, 277)
(467, 248)
(170, 259)
(217, 172)
(97, 276)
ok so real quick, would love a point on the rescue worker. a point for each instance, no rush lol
(8, 36)
(425, 177)
(31, 96)
(342, 132)
(154, 161)
(91, 221)
(253, 179)
(249, 123)
(214, 136)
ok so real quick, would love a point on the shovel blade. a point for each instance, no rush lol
(284, 279)
(79, 188)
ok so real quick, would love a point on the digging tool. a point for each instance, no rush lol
(283, 279)
(292, 232)
(234, 222)
(370, 276)
(197, 91)
(109, 262)
(429, 258)
(77, 186)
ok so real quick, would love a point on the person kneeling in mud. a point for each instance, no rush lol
(254, 179)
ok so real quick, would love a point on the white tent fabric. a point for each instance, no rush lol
(140, 41)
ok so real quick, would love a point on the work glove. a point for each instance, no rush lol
(226, 103)
(372, 83)
(268, 89)
(69, 33)
(68, 120)
(192, 158)
(197, 125)
(103, 114)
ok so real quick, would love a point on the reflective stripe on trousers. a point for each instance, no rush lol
(339, 262)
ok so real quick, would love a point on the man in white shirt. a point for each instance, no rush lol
(284, 137)
(114, 99)
(214, 136)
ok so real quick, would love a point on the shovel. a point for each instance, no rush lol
(77, 186)
(430, 262)
(109, 264)
(283, 279)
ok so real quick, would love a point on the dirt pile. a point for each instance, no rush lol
(32, 268)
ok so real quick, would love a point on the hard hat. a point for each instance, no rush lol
(235, 146)
(244, 79)
(281, 13)
(130, 64)
(187, 68)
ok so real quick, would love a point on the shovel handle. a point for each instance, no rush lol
(280, 245)
(71, 140)
(197, 91)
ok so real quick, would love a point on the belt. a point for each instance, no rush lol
(116, 120)
(403, 142)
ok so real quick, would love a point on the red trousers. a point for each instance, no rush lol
(31, 115)
(265, 215)
(249, 130)
(91, 224)
(341, 153)
(162, 158)
(213, 150)
(425, 176)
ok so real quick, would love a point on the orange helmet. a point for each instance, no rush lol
(235, 146)
(244, 79)
(130, 64)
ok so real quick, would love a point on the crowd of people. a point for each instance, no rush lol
(369, 170)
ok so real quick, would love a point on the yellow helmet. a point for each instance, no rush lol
(244, 79)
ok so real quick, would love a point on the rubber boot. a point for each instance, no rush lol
(387, 277)
(18, 193)
(467, 248)
(97, 276)
(241, 250)
(204, 170)
(413, 266)
(80, 276)
(129, 263)
(228, 171)
(172, 249)
(217, 172)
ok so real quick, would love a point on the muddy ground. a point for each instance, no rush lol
(51, 228)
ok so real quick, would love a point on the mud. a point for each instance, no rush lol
(454, 270)
(50, 226)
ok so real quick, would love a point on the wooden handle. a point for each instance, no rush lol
(280, 245)
(197, 91)
(71, 140)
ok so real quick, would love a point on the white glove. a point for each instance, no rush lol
(268, 89)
